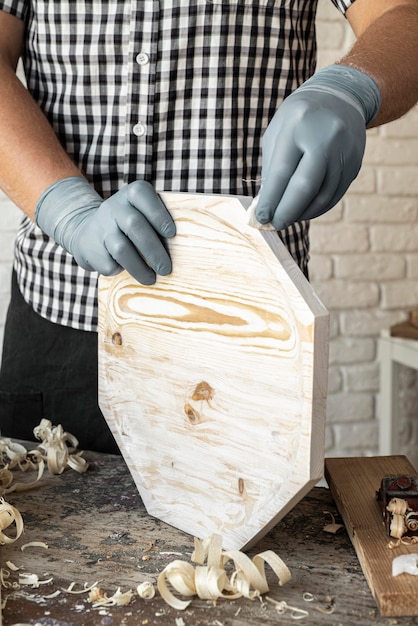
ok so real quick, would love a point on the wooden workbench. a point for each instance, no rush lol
(96, 528)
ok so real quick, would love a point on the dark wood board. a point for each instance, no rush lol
(353, 483)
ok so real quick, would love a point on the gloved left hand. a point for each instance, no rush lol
(314, 145)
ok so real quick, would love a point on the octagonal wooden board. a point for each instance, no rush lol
(213, 380)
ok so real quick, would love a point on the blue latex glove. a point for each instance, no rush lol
(314, 145)
(122, 232)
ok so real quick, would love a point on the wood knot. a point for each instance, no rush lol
(241, 485)
(117, 339)
(192, 414)
(203, 391)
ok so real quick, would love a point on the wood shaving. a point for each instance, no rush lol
(146, 590)
(33, 580)
(9, 515)
(57, 450)
(283, 607)
(34, 544)
(403, 520)
(333, 527)
(209, 580)
(70, 588)
(4, 580)
(397, 526)
(99, 599)
(397, 506)
(12, 566)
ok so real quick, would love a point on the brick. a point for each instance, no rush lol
(412, 265)
(333, 215)
(402, 238)
(399, 294)
(343, 294)
(346, 350)
(320, 267)
(363, 377)
(399, 181)
(338, 238)
(335, 379)
(374, 208)
(366, 323)
(364, 437)
(370, 266)
(349, 407)
(390, 151)
(365, 182)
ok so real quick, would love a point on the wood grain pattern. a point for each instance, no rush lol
(213, 380)
(353, 483)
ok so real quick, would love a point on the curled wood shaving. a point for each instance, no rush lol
(9, 515)
(12, 566)
(146, 590)
(397, 526)
(4, 580)
(333, 527)
(98, 598)
(86, 589)
(406, 541)
(27, 485)
(411, 520)
(283, 607)
(54, 594)
(209, 580)
(59, 448)
(33, 580)
(14, 452)
(403, 520)
(397, 506)
(328, 610)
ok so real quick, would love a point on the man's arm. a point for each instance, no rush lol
(31, 156)
(314, 145)
(387, 50)
(122, 232)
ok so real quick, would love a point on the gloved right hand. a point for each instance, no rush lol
(107, 236)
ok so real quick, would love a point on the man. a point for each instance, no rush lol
(128, 98)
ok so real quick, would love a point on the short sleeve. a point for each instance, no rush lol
(17, 8)
(343, 5)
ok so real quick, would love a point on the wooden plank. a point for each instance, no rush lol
(353, 483)
(213, 380)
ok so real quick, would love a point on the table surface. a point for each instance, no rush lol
(97, 529)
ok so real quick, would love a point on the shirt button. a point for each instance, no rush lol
(142, 58)
(139, 129)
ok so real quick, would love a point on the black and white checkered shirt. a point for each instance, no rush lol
(177, 92)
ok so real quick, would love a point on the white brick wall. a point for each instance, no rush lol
(364, 267)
